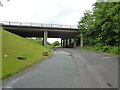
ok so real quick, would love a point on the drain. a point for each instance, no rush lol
(70, 55)
(109, 84)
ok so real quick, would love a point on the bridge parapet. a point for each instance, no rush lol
(38, 24)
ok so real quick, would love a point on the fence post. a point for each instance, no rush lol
(9, 23)
(51, 25)
(61, 26)
(20, 24)
(41, 25)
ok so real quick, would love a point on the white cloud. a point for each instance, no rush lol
(49, 11)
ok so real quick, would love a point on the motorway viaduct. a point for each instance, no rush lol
(70, 35)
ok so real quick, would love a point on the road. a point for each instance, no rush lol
(70, 68)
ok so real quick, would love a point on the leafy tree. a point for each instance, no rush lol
(56, 43)
(1, 4)
(101, 26)
(107, 22)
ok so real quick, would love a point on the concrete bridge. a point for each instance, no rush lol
(70, 35)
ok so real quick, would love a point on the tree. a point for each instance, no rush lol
(86, 27)
(1, 4)
(107, 22)
(101, 27)
(56, 43)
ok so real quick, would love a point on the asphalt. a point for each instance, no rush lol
(104, 64)
(70, 68)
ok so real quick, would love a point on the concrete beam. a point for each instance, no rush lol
(45, 38)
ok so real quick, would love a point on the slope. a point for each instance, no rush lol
(14, 46)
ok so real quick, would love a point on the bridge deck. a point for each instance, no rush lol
(37, 29)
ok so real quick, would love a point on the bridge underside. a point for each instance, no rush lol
(26, 31)
(65, 34)
(51, 34)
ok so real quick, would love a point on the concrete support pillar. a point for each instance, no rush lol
(81, 40)
(1, 27)
(45, 38)
(63, 42)
(75, 42)
(66, 42)
(70, 42)
(78, 40)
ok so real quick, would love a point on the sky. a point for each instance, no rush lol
(66, 12)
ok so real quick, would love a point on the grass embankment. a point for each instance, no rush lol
(0, 56)
(14, 46)
(106, 49)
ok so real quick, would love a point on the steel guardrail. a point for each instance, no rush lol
(38, 24)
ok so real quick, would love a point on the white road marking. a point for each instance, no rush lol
(7, 87)
(12, 82)
(105, 57)
(61, 52)
(95, 54)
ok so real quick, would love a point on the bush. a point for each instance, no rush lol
(56, 43)
(106, 48)
(113, 50)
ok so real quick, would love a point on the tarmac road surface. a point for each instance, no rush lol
(70, 68)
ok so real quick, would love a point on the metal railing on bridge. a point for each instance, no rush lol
(39, 24)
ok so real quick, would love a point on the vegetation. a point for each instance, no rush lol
(108, 49)
(37, 40)
(14, 46)
(101, 28)
(56, 44)
(0, 54)
(40, 41)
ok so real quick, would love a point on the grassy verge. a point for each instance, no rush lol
(0, 56)
(107, 49)
(14, 46)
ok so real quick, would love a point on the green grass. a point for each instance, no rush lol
(107, 49)
(88, 48)
(0, 54)
(14, 46)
